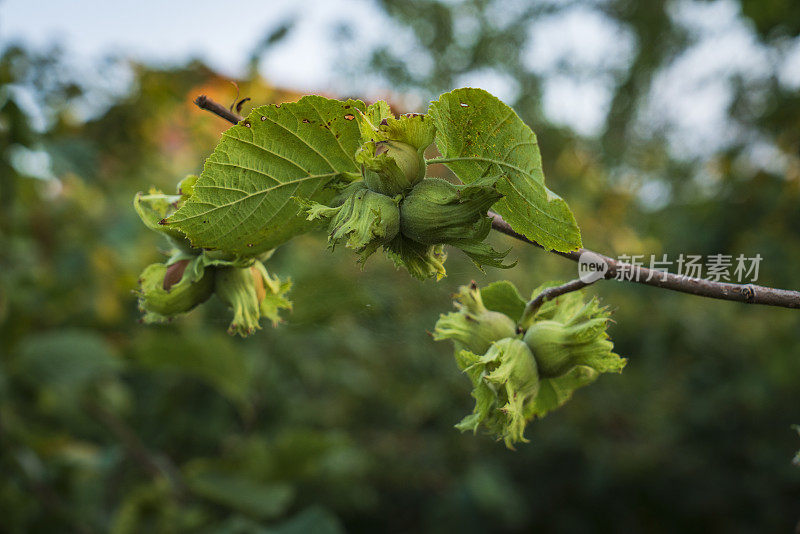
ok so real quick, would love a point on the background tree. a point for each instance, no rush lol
(342, 418)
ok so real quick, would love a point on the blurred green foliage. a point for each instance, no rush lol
(342, 418)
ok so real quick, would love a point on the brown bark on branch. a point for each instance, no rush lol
(549, 294)
(747, 293)
(203, 102)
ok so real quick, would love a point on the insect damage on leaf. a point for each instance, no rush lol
(478, 135)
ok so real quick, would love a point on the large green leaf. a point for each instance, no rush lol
(197, 356)
(478, 135)
(258, 499)
(65, 366)
(242, 202)
(314, 519)
(67, 360)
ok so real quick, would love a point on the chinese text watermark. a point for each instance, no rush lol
(713, 267)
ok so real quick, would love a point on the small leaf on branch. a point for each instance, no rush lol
(154, 207)
(502, 296)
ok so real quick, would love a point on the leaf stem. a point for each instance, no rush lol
(443, 160)
(746, 293)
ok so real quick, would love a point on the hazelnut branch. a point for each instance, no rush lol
(746, 293)
(549, 294)
(203, 102)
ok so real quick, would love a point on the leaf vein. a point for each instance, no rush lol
(237, 166)
(261, 192)
(273, 121)
(268, 151)
(338, 142)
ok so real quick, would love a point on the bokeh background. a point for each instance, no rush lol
(669, 126)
